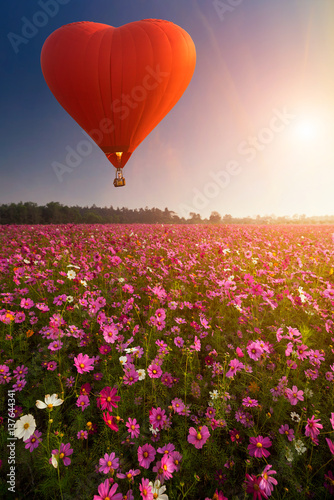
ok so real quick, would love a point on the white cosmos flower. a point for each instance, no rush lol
(83, 282)
(158, 490)
(54, 461)
(121, 280)
(214, 394)
(69, 298)
(142, 374)
(25, 427)
(50, 402)
(71, 274)
(123, 360)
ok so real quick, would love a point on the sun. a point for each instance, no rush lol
(306, 129)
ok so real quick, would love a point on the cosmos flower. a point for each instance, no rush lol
(25, 427)
(257, 446)
(49, 402)
(198, 438)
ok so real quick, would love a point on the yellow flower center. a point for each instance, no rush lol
(109, 463)
(259, 445)
(199, 436)
(82, 365)
(145, 454)
(61, 455)
(50, 406)
(26, 425)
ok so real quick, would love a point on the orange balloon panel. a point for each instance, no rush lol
(118, 83)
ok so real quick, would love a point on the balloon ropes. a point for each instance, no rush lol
(118, 83)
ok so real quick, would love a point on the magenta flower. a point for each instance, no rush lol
(312, 427)
(108, 399)
(235, 366)
(34, 441)
(253, 486)
(82, 435)
(83, 402)
(330, 445)
(52, 365)
(133, 428)
(84, 363)
(55, 345)
(146, 455)
(154, 371)
(20, 371)
(257, 446)
(332, 420)
(107, 492)
(294, 395)
(167, 466)
(146, 489)
(110, 333)
(254, 350)
(157, 418)
(63, 453)
(108, 462)
(110, 421)
(284, 429)
(130, 377)
(267, 482)
(198, 438)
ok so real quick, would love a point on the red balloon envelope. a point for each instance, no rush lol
(118, 83)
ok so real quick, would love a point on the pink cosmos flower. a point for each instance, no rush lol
(51, 366)
(110, 333)
(110, 421)
(253, 486)
(146, 455)
(107, 492)
(157, 418)
(257, 446)
(267, 482)
(239, 352)
(154, 371)
(332, 420)
(83, 402)
(108, 462)
(108, 399)
(235, 366)
(133, 428)
(55, 346)
(198, 438)
(294, 395)
(34, 441)
(82, 435)
(84, 363)
(312, 427)
(160, 314)
(146, 489)
(178, 405)
(284, 429)
(63, 453)
(167, 466)
(330, 445)
(254, 350)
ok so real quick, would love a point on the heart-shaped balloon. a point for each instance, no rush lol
(118, 83)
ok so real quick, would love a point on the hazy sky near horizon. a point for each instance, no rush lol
(252, 134)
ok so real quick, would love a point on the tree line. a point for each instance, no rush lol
(56, 213)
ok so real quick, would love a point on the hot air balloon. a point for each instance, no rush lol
(118, 83)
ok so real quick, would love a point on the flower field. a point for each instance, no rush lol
(166, 362)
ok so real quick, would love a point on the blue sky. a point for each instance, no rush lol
(251, 135)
